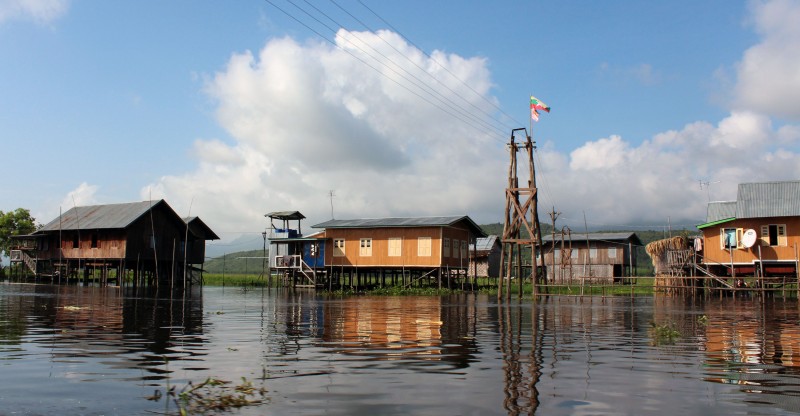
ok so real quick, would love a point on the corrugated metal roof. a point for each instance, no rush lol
(768, 199)
(402, 222)
(595, 237)
(286, 215)
(484, 243)
(96, 217)
(720, 210)
(200, 229)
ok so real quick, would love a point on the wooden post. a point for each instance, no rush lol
(516, 216)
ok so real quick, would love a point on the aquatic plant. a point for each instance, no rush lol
(665, 333)
(213, 396)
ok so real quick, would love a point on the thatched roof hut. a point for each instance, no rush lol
(657, 250)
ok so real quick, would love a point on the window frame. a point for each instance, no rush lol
(424, 245)
(339, 247)
(365, 247)
(394, 247)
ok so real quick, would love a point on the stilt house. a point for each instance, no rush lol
(485, 256)
(757, 234)
(145, 238)
(599, 256)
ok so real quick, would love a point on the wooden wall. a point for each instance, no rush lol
(409, 250)
(110, 244)
(714, 253)
(583, 254)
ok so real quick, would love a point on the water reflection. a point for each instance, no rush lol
(462, 354)
(410, 330)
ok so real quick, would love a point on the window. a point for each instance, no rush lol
(395, 247)
(446, 247)
(76, 242)
(365, 247)
(338, 247)
(574, 253)
(424, 246)
(773, 235)
(95, 243)
(593, 252)
(727, 238)
(456, 244)
(612, 252)
(464, 249)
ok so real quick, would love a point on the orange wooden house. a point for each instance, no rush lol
(435, 247)
(758, 234)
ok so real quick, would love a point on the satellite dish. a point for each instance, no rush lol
(749, 238)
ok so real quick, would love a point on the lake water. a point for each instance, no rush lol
(102, 351)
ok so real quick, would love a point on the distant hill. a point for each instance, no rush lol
(242, 262)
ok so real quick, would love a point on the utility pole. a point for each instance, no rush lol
(332, 194)
(553, 216)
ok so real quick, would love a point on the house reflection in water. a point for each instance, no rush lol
(758, 348)
(393, 328)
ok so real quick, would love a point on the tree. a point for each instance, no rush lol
(18, 222)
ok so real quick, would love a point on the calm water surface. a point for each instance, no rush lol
(92, 351)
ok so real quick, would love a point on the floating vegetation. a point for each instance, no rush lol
(702, 320)
(664, 334)
(213, 396)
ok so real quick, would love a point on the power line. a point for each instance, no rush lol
(447, 106)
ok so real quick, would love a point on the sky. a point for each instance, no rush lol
(367, 109)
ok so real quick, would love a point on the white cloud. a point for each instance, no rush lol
(305, 119)
(84, 194)
(768, 76)
(309, 118)
(617, 183)
(40, 11)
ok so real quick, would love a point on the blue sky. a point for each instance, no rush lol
(230, 110)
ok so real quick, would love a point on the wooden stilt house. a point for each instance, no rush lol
(146, 240)
(400, 249)
(756, 235)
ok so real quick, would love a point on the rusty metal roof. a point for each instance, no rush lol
(400, 222)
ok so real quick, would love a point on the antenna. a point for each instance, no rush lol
(331, 194)
(707, 185)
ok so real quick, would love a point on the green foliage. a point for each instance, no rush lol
(18, 222)
(665, 333)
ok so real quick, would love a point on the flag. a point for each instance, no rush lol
(534, 114)
(536, 104)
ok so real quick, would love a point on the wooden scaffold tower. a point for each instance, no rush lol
(521, 212)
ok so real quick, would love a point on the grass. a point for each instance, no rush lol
(640, 286)
(241, 280)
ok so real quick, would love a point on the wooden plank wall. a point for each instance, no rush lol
(409, 256)
(714, 253)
